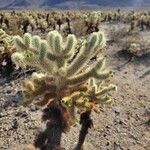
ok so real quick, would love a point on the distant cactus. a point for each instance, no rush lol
(6, 49)
(134, 48)
(7, 42)
(42, 25)
(62, 86)
(92, 22)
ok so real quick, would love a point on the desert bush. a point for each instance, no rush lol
(130, 41)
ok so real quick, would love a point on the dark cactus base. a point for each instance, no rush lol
(86, 122)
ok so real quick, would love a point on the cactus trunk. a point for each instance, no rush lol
(86, 123)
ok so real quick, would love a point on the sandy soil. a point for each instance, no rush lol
(120, 127)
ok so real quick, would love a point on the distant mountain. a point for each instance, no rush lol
(71, 3)
(20, 3)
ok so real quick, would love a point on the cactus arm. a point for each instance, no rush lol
(36, 42)
(87, 51)
(90, 73)
(71, 110)
(27, 39)
(106, 89)
(51, 40)
(18, 59)
(102, 39)
(70, 44)
(19, 44)
(43, 50)
(79, 79)
(58, 42)
(103, 75)
(83, 56)
(104, 99)
(52, 57)
(70, 103)
(32, 55)
(40, 90)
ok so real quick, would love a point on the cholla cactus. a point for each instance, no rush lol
(43, 25)
(3, 26)
(134, 48)
(144, 21)
(62, 86)
(7, 42)
(14, 25)
(94, 17)
(92, 21)
(6, 49)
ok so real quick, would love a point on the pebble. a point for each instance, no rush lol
(21, 114)
(33, 108)
(15, 124)
(8, 91)
(116, 110)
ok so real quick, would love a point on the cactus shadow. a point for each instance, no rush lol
(17, 74)
(124, 54)
(143, 59)
(12, 100)
(147, 73)
(125, 57)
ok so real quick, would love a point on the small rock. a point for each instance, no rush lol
(116, 110)
(8, 91)
(1, 115)
(108, 127)
(15, 124)
(22, 114)
(108, 143)
(33, 108)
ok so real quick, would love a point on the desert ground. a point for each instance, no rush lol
(125, 125)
